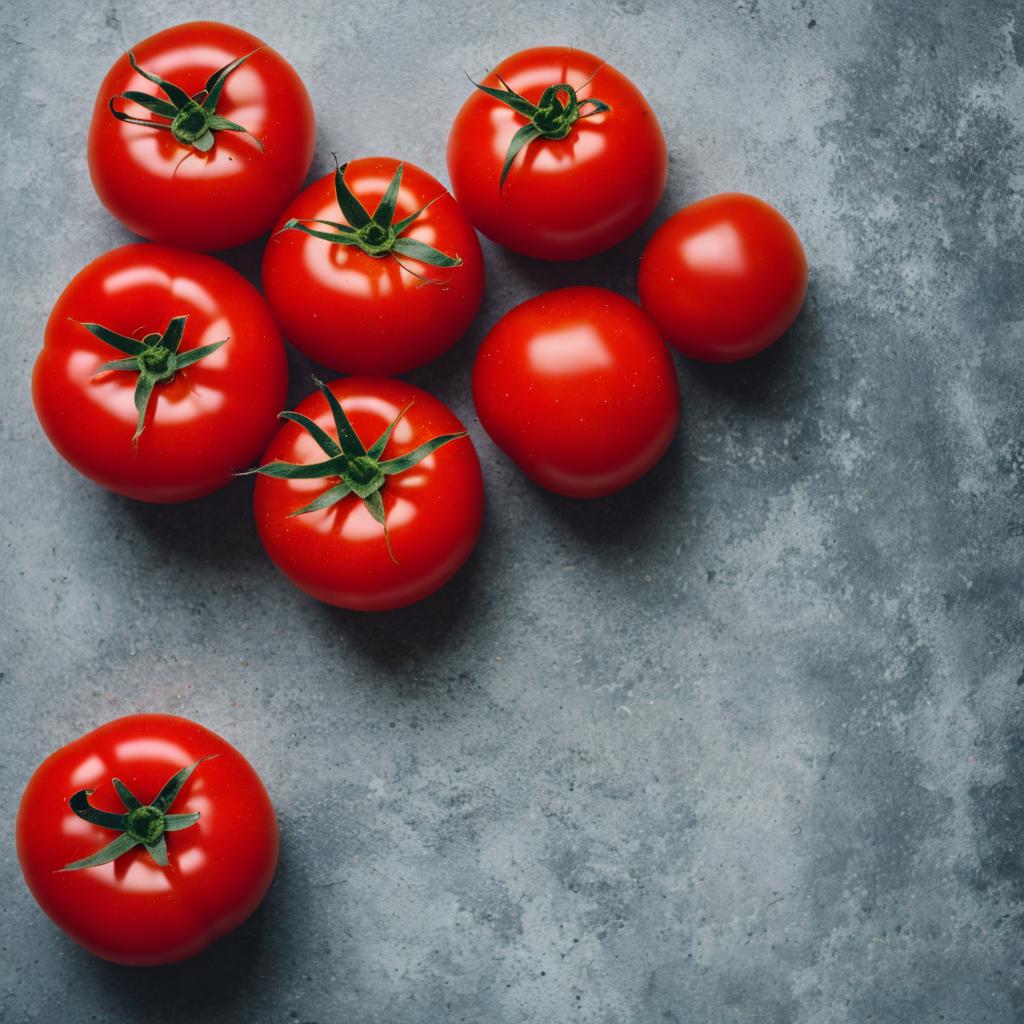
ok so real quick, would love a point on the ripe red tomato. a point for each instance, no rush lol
(344, 273)
(200, 420)
(584, 172)
(383, 519)
(577, 388)
(140, 882)
(201, 162)
(724, 278)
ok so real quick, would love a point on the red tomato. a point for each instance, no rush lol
(167, 188)
(577, 388)
(351, 294)
(188, 866)
(418, 503)
(589, 171)
(200, 424)
(723, 278)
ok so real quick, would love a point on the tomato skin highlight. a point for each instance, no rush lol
(434, 510)
(211, 420)
(359, 314)
(229, 195)
(576, 387)
(724, 278)
(132, 911)
(564, 199)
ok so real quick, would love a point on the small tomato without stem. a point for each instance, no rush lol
(724, 278)
(374, 269)
(147, 839)
(200, 136)
(557, 155)
(370, 497)
(161, 373)
(576, 387)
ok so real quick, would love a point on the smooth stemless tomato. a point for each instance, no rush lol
(557, 155)
(147, 839)
(161, 373)
(392, 279)
(371, 497)
(577, 388)
(202, 143)
(724, 278)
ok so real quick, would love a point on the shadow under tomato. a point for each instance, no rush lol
(213, 982)
(406, 642)
(631, 519)
(776, 381)
(216, 531)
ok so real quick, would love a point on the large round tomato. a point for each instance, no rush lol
(724, 278)
(577, 388)
(147, 839)
(557, 155)
(179, 169)
(371, 496)
(374, 269)
(160, 424)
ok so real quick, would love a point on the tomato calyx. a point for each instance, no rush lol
(141, 825)
(377, 235)
(155, 359)
(192, 120)
(360, 471)
(552, 118)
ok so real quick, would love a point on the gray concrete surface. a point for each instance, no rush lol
(742, 744)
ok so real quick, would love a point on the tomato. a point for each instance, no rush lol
(577, 388)
(147, 883)
(378, 294)
(216, 172)
(724, 278)
(201, 419)
(547, 173)
(382, 519)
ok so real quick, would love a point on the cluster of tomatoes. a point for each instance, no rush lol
(163, 376)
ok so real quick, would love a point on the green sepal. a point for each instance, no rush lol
(299, 471)
(522, 138)
(322, 438)
(176, 822)
(172, 787)
(355, 212)
(329, 497)
(158, 851)
(153, 104)
(121, 845)
(385, 212)
(350, 443)
(143, 392)
(377, 448)
(80, 806)
(193, 355)
(128, 798)
(131, 363)
(377, 236)
(551, 118)
(359, 472)
(418, 454)
(423, 253)
(143, 824)
(177, 96)
(156, 359)
(193, 119)
(215, 83)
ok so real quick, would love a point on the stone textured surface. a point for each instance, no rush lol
(742, 744)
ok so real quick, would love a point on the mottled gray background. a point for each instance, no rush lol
(742, 744)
